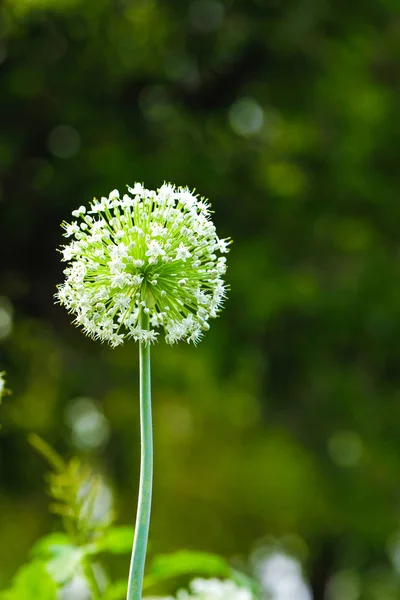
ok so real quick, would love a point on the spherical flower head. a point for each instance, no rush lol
(153, 253)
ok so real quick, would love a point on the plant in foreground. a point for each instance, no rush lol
(2, 384)
(212, 589)
(3, 390)
(137, 264)
(62, 558)
(87, 536)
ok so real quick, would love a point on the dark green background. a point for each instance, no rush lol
(285, 422)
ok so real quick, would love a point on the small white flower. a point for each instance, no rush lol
(182, 252)
(71, 229)
(114, 195)
(79, 212)
(2, 385)
(212, 589)
(149, 336)
(215, 589)
(137, 279)
(157, 230)
(137, 189)
(223, 246)
(154, 252)
(120, 280)
(154, 249)
(119, 251)
(68, 253)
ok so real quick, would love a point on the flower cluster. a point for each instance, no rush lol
(3, 390)
(212, 589)
(147, 253)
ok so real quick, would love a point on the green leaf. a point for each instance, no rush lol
(117, 540)
(66, 563)
(246, 581)
(117, 590)
(31, 581)
(52, 457)
(51, 545)
(186, 562)
(63, 559)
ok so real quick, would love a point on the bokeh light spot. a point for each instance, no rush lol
(285, 179)
(282, 578)
(246, 117)
(6, 313)
(155, 103)
(64, 141)
(344, 585)
(393, 549)
(206, 15)
(345, 448)
(90, 428)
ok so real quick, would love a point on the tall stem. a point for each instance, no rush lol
(136, 572)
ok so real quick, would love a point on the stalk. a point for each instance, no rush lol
(136, 572)
(91, 580)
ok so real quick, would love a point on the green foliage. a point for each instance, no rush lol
(185, 562)
(74, 489)
(191, 563)
(31, 581)
(64, 560)
(117, 590)
(59, 556)
(116, 540)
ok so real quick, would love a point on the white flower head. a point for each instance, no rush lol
(3, 390)
(215, 589)
(154, 252)
(212, 589)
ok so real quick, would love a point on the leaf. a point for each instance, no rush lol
(185, 562)
(63, 559)
(51, 545)
(32, 581)
(43, 448)
(75, 491)
(117, 590)
(117, 540)
(66, 563)
(246, 581)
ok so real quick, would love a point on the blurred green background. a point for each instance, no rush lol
(282, 429)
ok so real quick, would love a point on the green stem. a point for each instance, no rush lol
(91, 580)
(136, 572)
